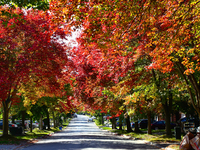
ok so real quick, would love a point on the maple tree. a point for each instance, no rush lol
(29, 51)
(89, 87)
(143, 101)
(177, 47)
(165, 30)
(115, 36)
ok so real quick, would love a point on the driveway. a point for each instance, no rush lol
(83, 135)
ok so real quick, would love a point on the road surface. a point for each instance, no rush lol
(83, 135)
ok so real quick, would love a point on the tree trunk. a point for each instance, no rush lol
(41, 123)
(120, 126)
(31, 124)
(192, 85)
(6, 108)
(137, 130)
(13, 118)
(23, 118)
(54, 120)
(102, 120)
(57, 120)
(167, 109)
(177, 116)
(48, 121)
(149, 122)
(167, 124)
(114, 123)
(121, 117)
(55, 125)
(128, 124)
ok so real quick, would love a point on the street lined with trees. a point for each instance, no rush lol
(134, 58)
(81, 134)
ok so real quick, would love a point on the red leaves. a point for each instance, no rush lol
(165, 25)
(28, 47)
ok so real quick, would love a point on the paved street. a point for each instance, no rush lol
(83, 135)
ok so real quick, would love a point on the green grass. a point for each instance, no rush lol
(9, 140)
(36, 133)
(27, 136)
(66, 123)
(98, 123)
(156, 136)
(106, 128)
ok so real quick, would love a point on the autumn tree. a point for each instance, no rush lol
(166, 30)
(29, 48)
(178, 44)
(115, 34)
(37, 4)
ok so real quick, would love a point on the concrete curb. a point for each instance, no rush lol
(158, 145)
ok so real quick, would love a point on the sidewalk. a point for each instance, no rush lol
(22, 144)
(162, 145)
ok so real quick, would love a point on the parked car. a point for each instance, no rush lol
(117, 122)
(35, 124)
(181, 120)
(189, 124)
(16, 128)
(132, 124)
(9, 124)
(19, 123)
(143, 123)
(106, 117)
(93, 117)
(74, 115)
(90, 120)
(160, 125)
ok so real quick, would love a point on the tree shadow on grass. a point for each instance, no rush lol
(10, 140)
(18, 139)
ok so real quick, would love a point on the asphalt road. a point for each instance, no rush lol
(83, 135)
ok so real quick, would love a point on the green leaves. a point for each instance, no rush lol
(37, 4)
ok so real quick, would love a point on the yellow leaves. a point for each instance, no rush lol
(65, 10)
(120, 89)
(174, 59)
(121, 108)
(190, 51)
(57, 108)
(189, 65)
(26, 102)
(186, 62)
(189, 71)
(131, 111)
(126, 40)
(33, 102)
(29, 112)
(129, 99)
(197, 68)
(146, 4)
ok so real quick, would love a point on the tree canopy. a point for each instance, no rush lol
(123, 45)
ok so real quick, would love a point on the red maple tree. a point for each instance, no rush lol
(29, 48)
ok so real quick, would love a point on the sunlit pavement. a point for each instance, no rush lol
(83, 135)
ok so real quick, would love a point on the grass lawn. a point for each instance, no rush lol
(28, 135)
(156, 136)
